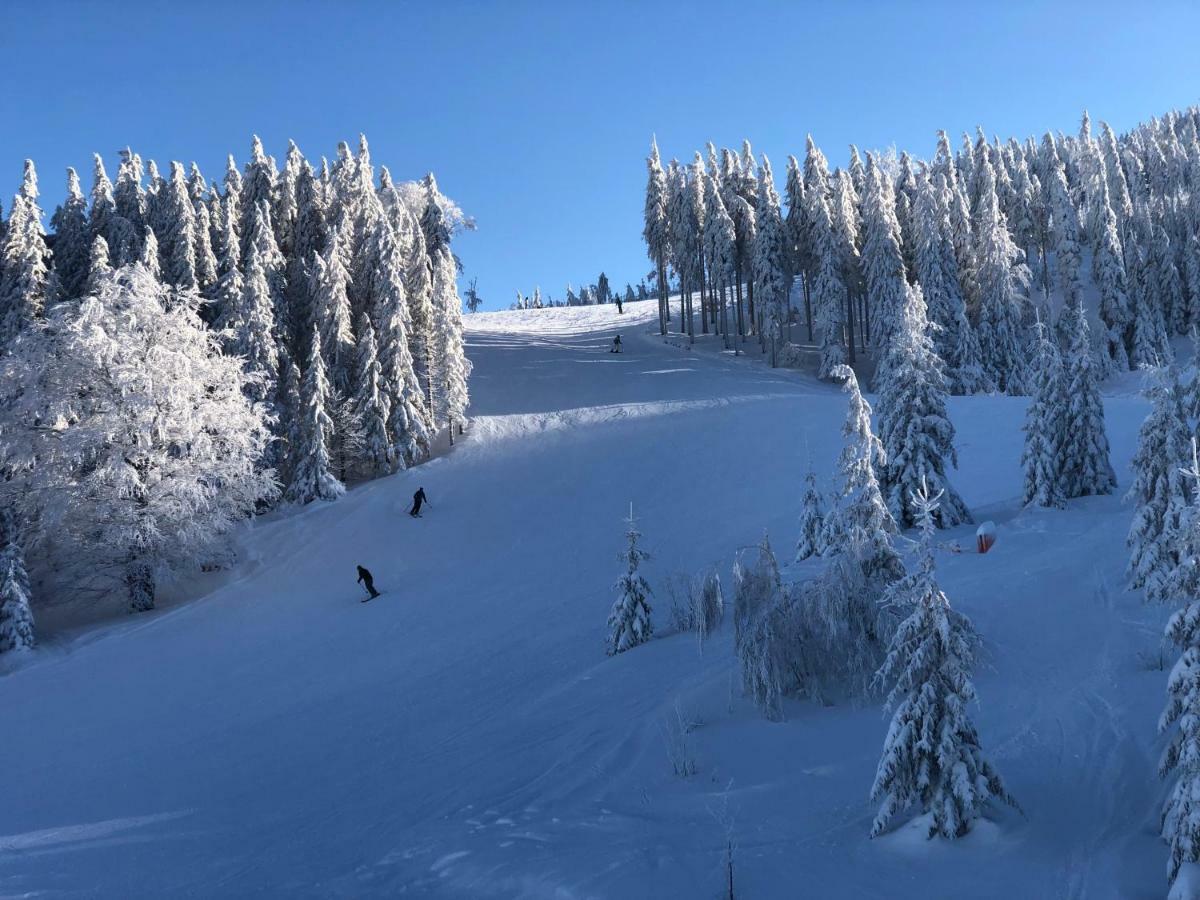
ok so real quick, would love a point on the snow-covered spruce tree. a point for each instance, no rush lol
(1068, 257)
(844, 214)
(257, 186)
(812, 519)
(262, 237)
(251, 325)
(770, 246)
(1002, 280)
(1151, 345)
(177, 236)
(883, 263)
(377, 456)
(152, 450)
(99, 267)
(408, 415)
(16, 617)
(23, 254)
(936, 268)
(1042, 455)
(1168, 287)
(312, 478)
(1180, 718)
(916, 433)
(720, 238)
(202, 249)
(859, 504)
(657, 228)
(629, 620)
(1108, 271)
(1086, 466)
(226, 294)
(102, 217)
(1160, 489)
(331, 312)
(759, 611)
(932, 759)
(130, 201)
(72, 242)
(449, 364)
(150, 259)
(827, 292)
(308, 239)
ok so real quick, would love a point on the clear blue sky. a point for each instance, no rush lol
(536, 116)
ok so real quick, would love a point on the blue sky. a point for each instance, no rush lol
(536, 117)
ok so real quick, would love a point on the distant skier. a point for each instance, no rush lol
(418, 499)
(365, 579)
(616, 347)
(620, 306)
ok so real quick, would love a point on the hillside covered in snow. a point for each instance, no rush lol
(465, 735)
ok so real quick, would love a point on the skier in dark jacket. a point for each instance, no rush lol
(616, 347)
(418, 498)
(364, 578)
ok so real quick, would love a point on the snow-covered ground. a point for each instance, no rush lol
(465, 736)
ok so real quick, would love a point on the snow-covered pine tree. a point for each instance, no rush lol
(371, 407)
(770, 247)
(936, 269)
(99, 267)
(312, 478)
(827, 291)
(1002, 280)
(657, 228)
(1086, 466)
(1160, 488)
(16, 617)
(859, 504)
(72, 242)
(1068, 257)
(102, 217)
(150, 259)
(331, 312)
(1168, 286)
(408, 415)
(844, 214)
(451, 397)
(130, 202)
(177, 232)
(202, 250)
(252, 327)
(308, 239)
(157, 417)
(916, 433)
(23, 254)
(629, 620)
(812, 519)
(1108, 271)
(257, 186)
(1151, 345)
(883, 262)
(1180, 718)
(932, 759)
(1041, 457)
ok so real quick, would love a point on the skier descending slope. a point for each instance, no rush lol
(418, 499)
(367, 581)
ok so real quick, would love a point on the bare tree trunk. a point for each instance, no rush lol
(850, 328)
(808, 316)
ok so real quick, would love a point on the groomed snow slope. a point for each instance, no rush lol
(465, 736)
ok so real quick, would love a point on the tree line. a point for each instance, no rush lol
(177, 355)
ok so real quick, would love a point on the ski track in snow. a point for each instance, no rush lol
(465, 735)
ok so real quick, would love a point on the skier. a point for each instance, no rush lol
(616, 347)
(418, 498)
(364, 578)
(620, 306)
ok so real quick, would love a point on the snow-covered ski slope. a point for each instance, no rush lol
(465, 736)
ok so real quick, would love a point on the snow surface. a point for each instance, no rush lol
(465, 735)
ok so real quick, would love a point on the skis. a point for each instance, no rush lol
(369, 599)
